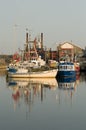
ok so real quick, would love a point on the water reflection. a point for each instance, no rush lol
(2, 72)
(30, 89)
(83, 77)
(68, 86)
(66, 83)
(44, 100)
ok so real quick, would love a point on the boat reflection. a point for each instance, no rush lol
(66, 83)
(30, 89)
(24, 82)
(67, 87)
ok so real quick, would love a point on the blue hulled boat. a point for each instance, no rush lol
(66, 69)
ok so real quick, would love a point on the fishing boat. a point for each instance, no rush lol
(66, 69)
(31, 64)
(24, 73)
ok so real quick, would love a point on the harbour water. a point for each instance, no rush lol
(42, 105)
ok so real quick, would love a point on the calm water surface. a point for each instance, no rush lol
(38, 105)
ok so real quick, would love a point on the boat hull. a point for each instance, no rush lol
(44, 74)
(66, 69)
(66, 73)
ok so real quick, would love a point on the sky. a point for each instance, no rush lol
(58, 20)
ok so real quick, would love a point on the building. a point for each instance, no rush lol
(69, 51)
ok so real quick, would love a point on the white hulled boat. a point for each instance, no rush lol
(24, 73)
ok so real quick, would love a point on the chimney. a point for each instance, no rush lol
(42, 40)
(26, 48)
(26, 37)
